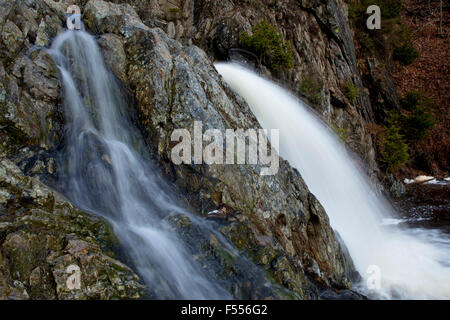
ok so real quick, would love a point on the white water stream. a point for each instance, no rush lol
(412, 263)
(106, 174)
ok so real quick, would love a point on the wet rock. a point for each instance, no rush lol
(38, 163)
(12, 37)
(319, 35)
(5, 9)
(341, 295)
(40, 76)
(395, 187)
(29, 114)
(114, 53)
(426, 205)
(107, 17)
(175, 85)
(49, 27)
(43, 236)
(29, 84)
(234, 270)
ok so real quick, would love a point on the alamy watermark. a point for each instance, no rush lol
(73, 282)
(374, 20)
(73, 20)
(249, 146)
(373, 281)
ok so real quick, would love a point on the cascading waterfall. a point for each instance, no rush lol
(107, 176)
(413, 263)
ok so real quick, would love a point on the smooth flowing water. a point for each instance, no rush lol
(411, 263)
(107, 175)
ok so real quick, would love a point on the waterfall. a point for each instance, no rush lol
(107, 175)
(412, 263)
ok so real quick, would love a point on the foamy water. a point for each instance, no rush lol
(413, 263)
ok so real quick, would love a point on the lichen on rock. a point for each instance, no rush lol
(42, 234)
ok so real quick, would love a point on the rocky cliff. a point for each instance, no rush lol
(274, 220)
(319, 35)
(42, 235)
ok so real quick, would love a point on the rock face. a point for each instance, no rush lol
(41, 233)
(276, 221)
(318, 33)
(43, 238)
(176, 85)
(29, 81)
(382, 90)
